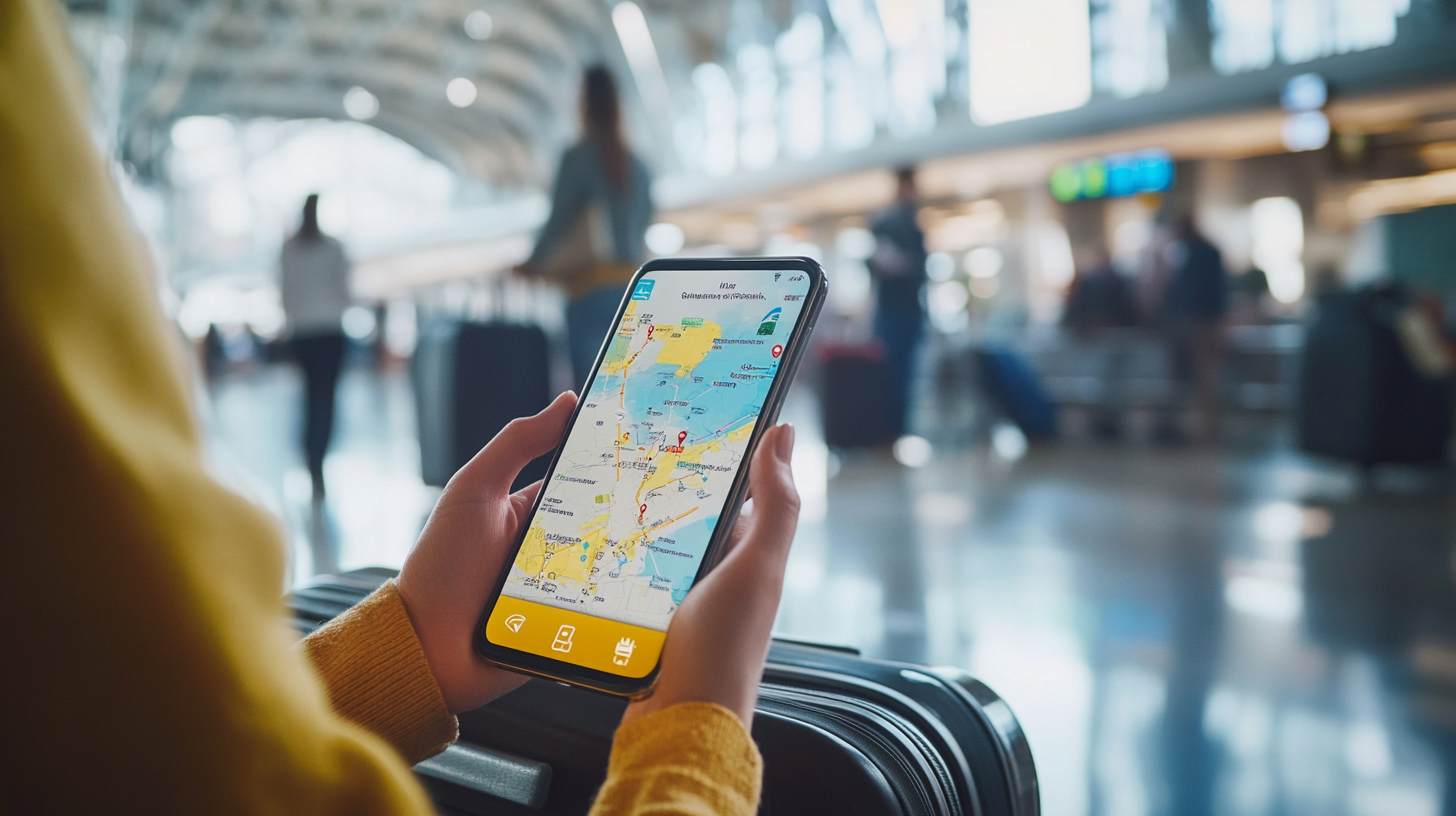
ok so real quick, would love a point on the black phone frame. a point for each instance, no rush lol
(794, 349)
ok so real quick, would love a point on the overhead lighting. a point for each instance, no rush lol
(461, 92)
(664, 238)
(641, 53)
(900, 20)
(1278, 249)
(1028, 58)
(360, 104)
(1403, 194)
(478, 25)
(1305, 92)
(1306, 131)
(983, 263)
(195, 132)
(913, 451)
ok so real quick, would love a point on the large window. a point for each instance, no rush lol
(1250, 34)
(1028, 58)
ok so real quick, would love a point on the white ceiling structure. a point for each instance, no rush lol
(156, 61)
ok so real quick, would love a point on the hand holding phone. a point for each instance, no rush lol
(467, 542)
(718, 640)
(640, 500)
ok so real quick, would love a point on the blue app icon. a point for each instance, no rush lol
(643, 290)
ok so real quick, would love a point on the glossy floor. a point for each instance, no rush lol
(1180, 631)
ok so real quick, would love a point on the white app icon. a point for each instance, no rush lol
(562, 643)
(515, 622)
(624, 650)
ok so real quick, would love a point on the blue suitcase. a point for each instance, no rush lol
(1014, 387)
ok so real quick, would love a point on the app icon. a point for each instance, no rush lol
(562, 643)
(515, 622)
(624, 650)
(770, 321)
(643, 290)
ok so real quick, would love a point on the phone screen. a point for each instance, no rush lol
(626, 516)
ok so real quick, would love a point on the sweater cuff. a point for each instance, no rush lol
(377, 676)
(694, 758)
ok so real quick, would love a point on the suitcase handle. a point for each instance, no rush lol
(494, 773)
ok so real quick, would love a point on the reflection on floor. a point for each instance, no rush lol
(1180, 631)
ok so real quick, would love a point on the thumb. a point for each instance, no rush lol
(495, 467)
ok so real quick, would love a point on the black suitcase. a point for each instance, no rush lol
(839, 734)
(470, 379)
(1360, 398)
(855, 398)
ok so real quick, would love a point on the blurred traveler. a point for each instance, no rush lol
(601, 207)
(1100, 301)
(1099, 298)
(898, 269)
(1250, 303)
(1194, 305)
(315, 296)
(163, 637)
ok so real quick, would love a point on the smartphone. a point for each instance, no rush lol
(641, 495)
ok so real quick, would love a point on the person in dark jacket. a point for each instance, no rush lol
(898, 269)
(1099, 298)
(1100, 301)
(594, 239)
(1194, 306)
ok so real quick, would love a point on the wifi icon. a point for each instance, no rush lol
(515, 622)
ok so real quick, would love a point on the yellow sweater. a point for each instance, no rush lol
(148, 666)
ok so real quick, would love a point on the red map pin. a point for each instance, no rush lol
(642, 513)
(649, 331)
(777, 350)
(681, 435)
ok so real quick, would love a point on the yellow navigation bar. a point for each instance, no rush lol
(574, 637)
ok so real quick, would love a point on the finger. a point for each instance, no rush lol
(741, 526)
(761, 550)
(522, 499)
(776, 500)
(497, 464)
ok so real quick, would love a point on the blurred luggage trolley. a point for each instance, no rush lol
(839, 733)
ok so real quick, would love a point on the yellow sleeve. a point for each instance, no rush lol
(377, 676)
(149, 667)
(691, 759)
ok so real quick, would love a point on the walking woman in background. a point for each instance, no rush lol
(601, 206)
(315, 289)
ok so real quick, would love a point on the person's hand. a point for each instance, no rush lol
(449, 575)
(718, 639)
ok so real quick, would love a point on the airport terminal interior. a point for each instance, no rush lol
(1147, 516)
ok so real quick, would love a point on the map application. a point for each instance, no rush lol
(645, 473)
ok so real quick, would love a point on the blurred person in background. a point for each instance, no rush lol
(1100, 299)
(315, 285)
(1250, 303)
(601, 206)
(1194, 305)
(898, 269)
